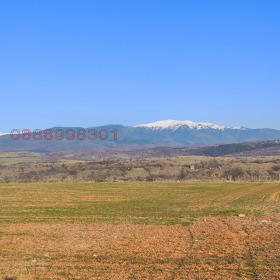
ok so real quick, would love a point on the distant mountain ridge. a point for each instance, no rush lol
(169, 133)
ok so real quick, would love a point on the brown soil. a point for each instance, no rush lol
(212, 248)
(274, 196)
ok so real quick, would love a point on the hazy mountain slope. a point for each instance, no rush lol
(164, 133)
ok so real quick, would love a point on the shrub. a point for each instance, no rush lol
(234, 173)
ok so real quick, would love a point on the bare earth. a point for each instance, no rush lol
(211, 248)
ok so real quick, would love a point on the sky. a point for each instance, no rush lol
(95, 62)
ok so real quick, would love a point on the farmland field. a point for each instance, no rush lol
(140, 230)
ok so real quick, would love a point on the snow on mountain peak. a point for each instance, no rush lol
(174, 124)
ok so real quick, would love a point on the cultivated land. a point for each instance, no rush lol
(140, 230)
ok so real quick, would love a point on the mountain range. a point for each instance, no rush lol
(170, 133)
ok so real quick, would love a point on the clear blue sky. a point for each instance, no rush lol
(95, 62)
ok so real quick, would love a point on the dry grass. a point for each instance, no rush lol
(147, 169)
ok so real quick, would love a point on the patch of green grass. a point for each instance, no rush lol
(166, 203)
(63, 273)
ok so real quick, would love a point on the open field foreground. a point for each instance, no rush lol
(140, 230)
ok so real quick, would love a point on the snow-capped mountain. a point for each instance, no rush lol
(169, 133)
(2, 133)
(174, 125)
